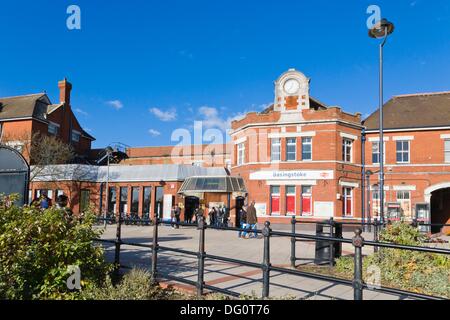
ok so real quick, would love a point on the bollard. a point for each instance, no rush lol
(118, 243)
(266, 266)
(375, 234)
(155, 246)
(331, 258)
(358, 243)
(293, 243)
(201, 257)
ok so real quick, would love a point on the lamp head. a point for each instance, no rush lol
(381, 29)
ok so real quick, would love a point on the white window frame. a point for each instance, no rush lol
(347, 145)
(295, 200)
(241, 153)
(310, 143)
(345, 198)
(272, 144)
(288, 144)
(76, 133)
(53, 125)
(17, 145)
(279, 200)
(310, 195)
(402, 151)
(377, 199)
(198, 163)
(447, 150)
(402, 199)
(379, 149)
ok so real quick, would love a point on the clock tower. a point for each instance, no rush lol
(292, 92)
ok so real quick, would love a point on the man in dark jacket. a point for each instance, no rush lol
(252, 219)
(243, 222)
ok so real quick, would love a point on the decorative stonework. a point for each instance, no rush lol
(292, 92)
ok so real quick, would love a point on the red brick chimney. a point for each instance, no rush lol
(64, 91)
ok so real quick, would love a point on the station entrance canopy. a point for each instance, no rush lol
(225, 184)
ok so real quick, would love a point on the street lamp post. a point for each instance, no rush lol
(109, 151)
(381, 30)
(367, 174)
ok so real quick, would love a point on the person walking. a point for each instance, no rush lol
(252, 219)
(220, 218)
(242, 223)
(177, 214)
(172, 217)
(199, 213)
(212, 217)
(226, 216)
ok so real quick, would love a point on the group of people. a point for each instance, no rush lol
(248, 221)
(218, 217)
(44, 202)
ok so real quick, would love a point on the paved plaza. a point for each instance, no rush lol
(239, 279)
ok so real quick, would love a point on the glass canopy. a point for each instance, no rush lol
(224, 184)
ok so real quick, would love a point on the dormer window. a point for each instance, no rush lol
(53, 128)
(76, 135)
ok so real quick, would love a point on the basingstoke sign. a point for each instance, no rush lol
(293, 175)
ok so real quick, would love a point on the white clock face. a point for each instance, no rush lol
(291, 86)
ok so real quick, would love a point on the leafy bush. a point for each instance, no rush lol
(403, 234)
(38, 246)
(422, 272)
(134, 285)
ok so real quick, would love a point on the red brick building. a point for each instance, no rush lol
(144, 190)
(300, 157)
(213, 155)
(23, 116)
(417, 154)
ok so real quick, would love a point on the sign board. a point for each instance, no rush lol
(167, 210)
(14, 174)
(323, 209)
(423, 216)
(261, 209)
(293, 175)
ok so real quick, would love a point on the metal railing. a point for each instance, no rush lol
(358, 242)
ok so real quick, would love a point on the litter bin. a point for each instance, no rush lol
(324, 247)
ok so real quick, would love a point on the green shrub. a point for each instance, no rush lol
(38, 246)
(403, 234)
(135, 285)
(422, 272)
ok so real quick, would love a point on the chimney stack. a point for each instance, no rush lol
(65, 87)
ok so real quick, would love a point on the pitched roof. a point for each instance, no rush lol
(413, 111)
(120, 173)
(27, 106)
(36, 106)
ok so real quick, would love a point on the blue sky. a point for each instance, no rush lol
(141, 69)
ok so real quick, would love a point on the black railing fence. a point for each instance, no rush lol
(358, 242)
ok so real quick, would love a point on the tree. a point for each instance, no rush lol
(41, 151)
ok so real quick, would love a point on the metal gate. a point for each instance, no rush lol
(14, 174)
